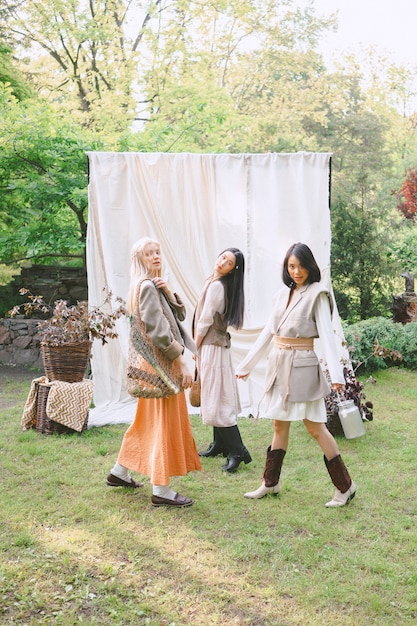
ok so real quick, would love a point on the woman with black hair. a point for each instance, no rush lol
(221, 305)
(295, 386)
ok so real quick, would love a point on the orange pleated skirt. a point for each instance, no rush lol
(160, 443)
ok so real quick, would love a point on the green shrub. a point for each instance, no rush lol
(378, 343)
(407, 345)
(7, 300)
(7, 294)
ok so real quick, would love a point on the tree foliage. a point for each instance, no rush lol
(78, 56)
(355, 130)
(11, 76)
(122, 60)
(43, 178)
(224, 76)
(407, 196)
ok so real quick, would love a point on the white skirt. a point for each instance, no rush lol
(313, 410)
(220, 403)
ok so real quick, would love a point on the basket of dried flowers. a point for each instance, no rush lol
(68, 362)
(67, 333)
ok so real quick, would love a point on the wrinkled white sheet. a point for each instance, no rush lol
(196, 205)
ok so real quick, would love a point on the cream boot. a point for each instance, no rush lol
(340, 499)
(345, 487)
(262, 491)
(272, 472)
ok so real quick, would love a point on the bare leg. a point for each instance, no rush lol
(281, 435)
(324, 438)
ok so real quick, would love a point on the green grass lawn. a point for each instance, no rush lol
(74, 551)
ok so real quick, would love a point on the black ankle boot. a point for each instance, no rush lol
(235, 460)
(214, 449)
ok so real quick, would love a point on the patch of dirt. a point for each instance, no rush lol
(17, 373)
(13, 381)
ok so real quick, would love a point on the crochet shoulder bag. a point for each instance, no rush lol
(150, 374)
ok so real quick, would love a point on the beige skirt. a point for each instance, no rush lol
(220, 403)
(312, 410)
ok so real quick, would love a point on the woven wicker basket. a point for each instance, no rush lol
(45, 425)
(68, 362)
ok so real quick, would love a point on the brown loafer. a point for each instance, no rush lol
(179, 500)
(115, 481)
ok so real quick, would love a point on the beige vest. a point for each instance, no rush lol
(297, 372)
(217, 334)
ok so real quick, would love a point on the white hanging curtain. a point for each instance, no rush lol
(196, 205)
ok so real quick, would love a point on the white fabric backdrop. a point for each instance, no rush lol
(195, 206)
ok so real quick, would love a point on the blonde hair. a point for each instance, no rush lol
(138, 269)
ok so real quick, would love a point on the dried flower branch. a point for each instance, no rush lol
(378, 351)
(354, 390)
(73, 323)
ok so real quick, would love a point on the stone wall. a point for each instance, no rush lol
(50, 282)
(19, 342)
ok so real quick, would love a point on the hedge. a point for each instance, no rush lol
(378, 343)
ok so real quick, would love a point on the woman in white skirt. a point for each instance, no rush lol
(295, 386)
(220, 305)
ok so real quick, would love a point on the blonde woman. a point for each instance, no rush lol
(159, 443)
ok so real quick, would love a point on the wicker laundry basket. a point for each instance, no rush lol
(44, 424)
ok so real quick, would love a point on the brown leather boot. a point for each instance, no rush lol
(345, 487)
(272, 472)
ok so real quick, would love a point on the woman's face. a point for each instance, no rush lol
(225, 263)
(152, 259)
(297, 272)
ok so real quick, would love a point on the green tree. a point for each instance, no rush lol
(123, 60)
(238, 80)
(355, 130)
(224, 76)
(405, 246)
(11, 76)
(43, 178)
(77, 56)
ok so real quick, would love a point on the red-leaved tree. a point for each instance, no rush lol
(407, 195)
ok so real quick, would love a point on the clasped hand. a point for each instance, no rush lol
(187, 377)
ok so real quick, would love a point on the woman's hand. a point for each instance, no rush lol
(187, 377)
(198, 341)
(338, 387)
(161, 283)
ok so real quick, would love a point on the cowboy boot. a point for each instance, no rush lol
(345, 487)
(272, 472)
(216, 447)
(237, 452)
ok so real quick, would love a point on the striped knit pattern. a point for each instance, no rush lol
(67, 404)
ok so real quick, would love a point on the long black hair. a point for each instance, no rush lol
(234, 291)
(306, 260)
